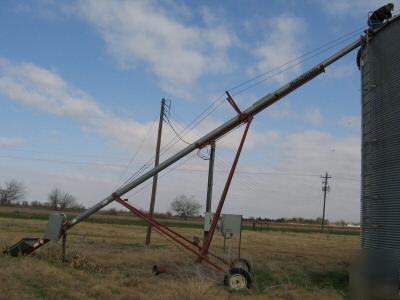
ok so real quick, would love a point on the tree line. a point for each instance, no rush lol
(13, 193)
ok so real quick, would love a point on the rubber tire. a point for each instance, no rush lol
(241, 263)
(240, 271)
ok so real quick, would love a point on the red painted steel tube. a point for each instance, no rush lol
(180, 236)
(164, 231)
(233, 103)
(169, 229)
(185, 239)
(217, 214)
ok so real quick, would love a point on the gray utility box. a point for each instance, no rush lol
(208, 219)
(54, 226)
(226, 224)
(231, 224)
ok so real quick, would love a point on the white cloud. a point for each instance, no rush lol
(11, 142)
(340, 71)
(147, 32)
(255, 195)
(281, 185)
(311, 115)
(284, 41)
(350, 121)
(285, 188)
(282, 110)
(35, 86)
(312, 149)
(316, 152)
(232, 140)
(40, 88)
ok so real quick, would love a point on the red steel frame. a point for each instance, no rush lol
(167, 231)
(206, 244)
(233, 103)
(201, 252)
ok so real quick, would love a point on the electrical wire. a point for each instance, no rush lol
(174, 130)
(62, 161)
(257, 172)
(217, 103)
(162, 175)
(295, 59)
(317, 50)
(213, 106)
(98, 156)
(335, 175)
(211, 109)
(226, 168)
(135, 153)
(291, 66)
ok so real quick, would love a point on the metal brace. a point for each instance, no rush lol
(233, 103)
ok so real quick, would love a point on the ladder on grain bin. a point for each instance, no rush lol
(239, 273)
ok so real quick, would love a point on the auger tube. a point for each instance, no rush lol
(226, 127)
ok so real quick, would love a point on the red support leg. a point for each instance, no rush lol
(203, 252)
(206, 244)
(166, 231)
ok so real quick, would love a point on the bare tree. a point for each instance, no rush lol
(61, 200)
(13, 191)
(185, 206)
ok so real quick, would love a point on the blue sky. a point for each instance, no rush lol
(81, 84)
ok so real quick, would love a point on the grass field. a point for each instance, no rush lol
(108, 261)
(43, 214)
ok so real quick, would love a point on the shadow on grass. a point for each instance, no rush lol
(337, 280)
(265, 280)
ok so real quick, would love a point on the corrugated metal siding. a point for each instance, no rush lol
(380, 184)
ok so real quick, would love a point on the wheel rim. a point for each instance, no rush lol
(237, 282)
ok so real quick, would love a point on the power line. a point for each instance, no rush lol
(257, 172)
(61, 161)
(215, 105)
(295, 59)
(290, 66)
(195, 122)
(173, 141)
(136, 152)
(174, 130)
(162, 175)
(199, 119)
(62, 153)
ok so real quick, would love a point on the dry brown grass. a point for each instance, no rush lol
(110, 262)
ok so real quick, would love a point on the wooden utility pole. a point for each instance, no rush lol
(210, 181)
(155, 177)
(324, 189)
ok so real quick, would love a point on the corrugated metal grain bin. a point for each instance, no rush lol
(380, 184)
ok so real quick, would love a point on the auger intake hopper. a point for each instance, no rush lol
(26, 246)
(54, 231)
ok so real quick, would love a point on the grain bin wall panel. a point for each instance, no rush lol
(380, 183)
